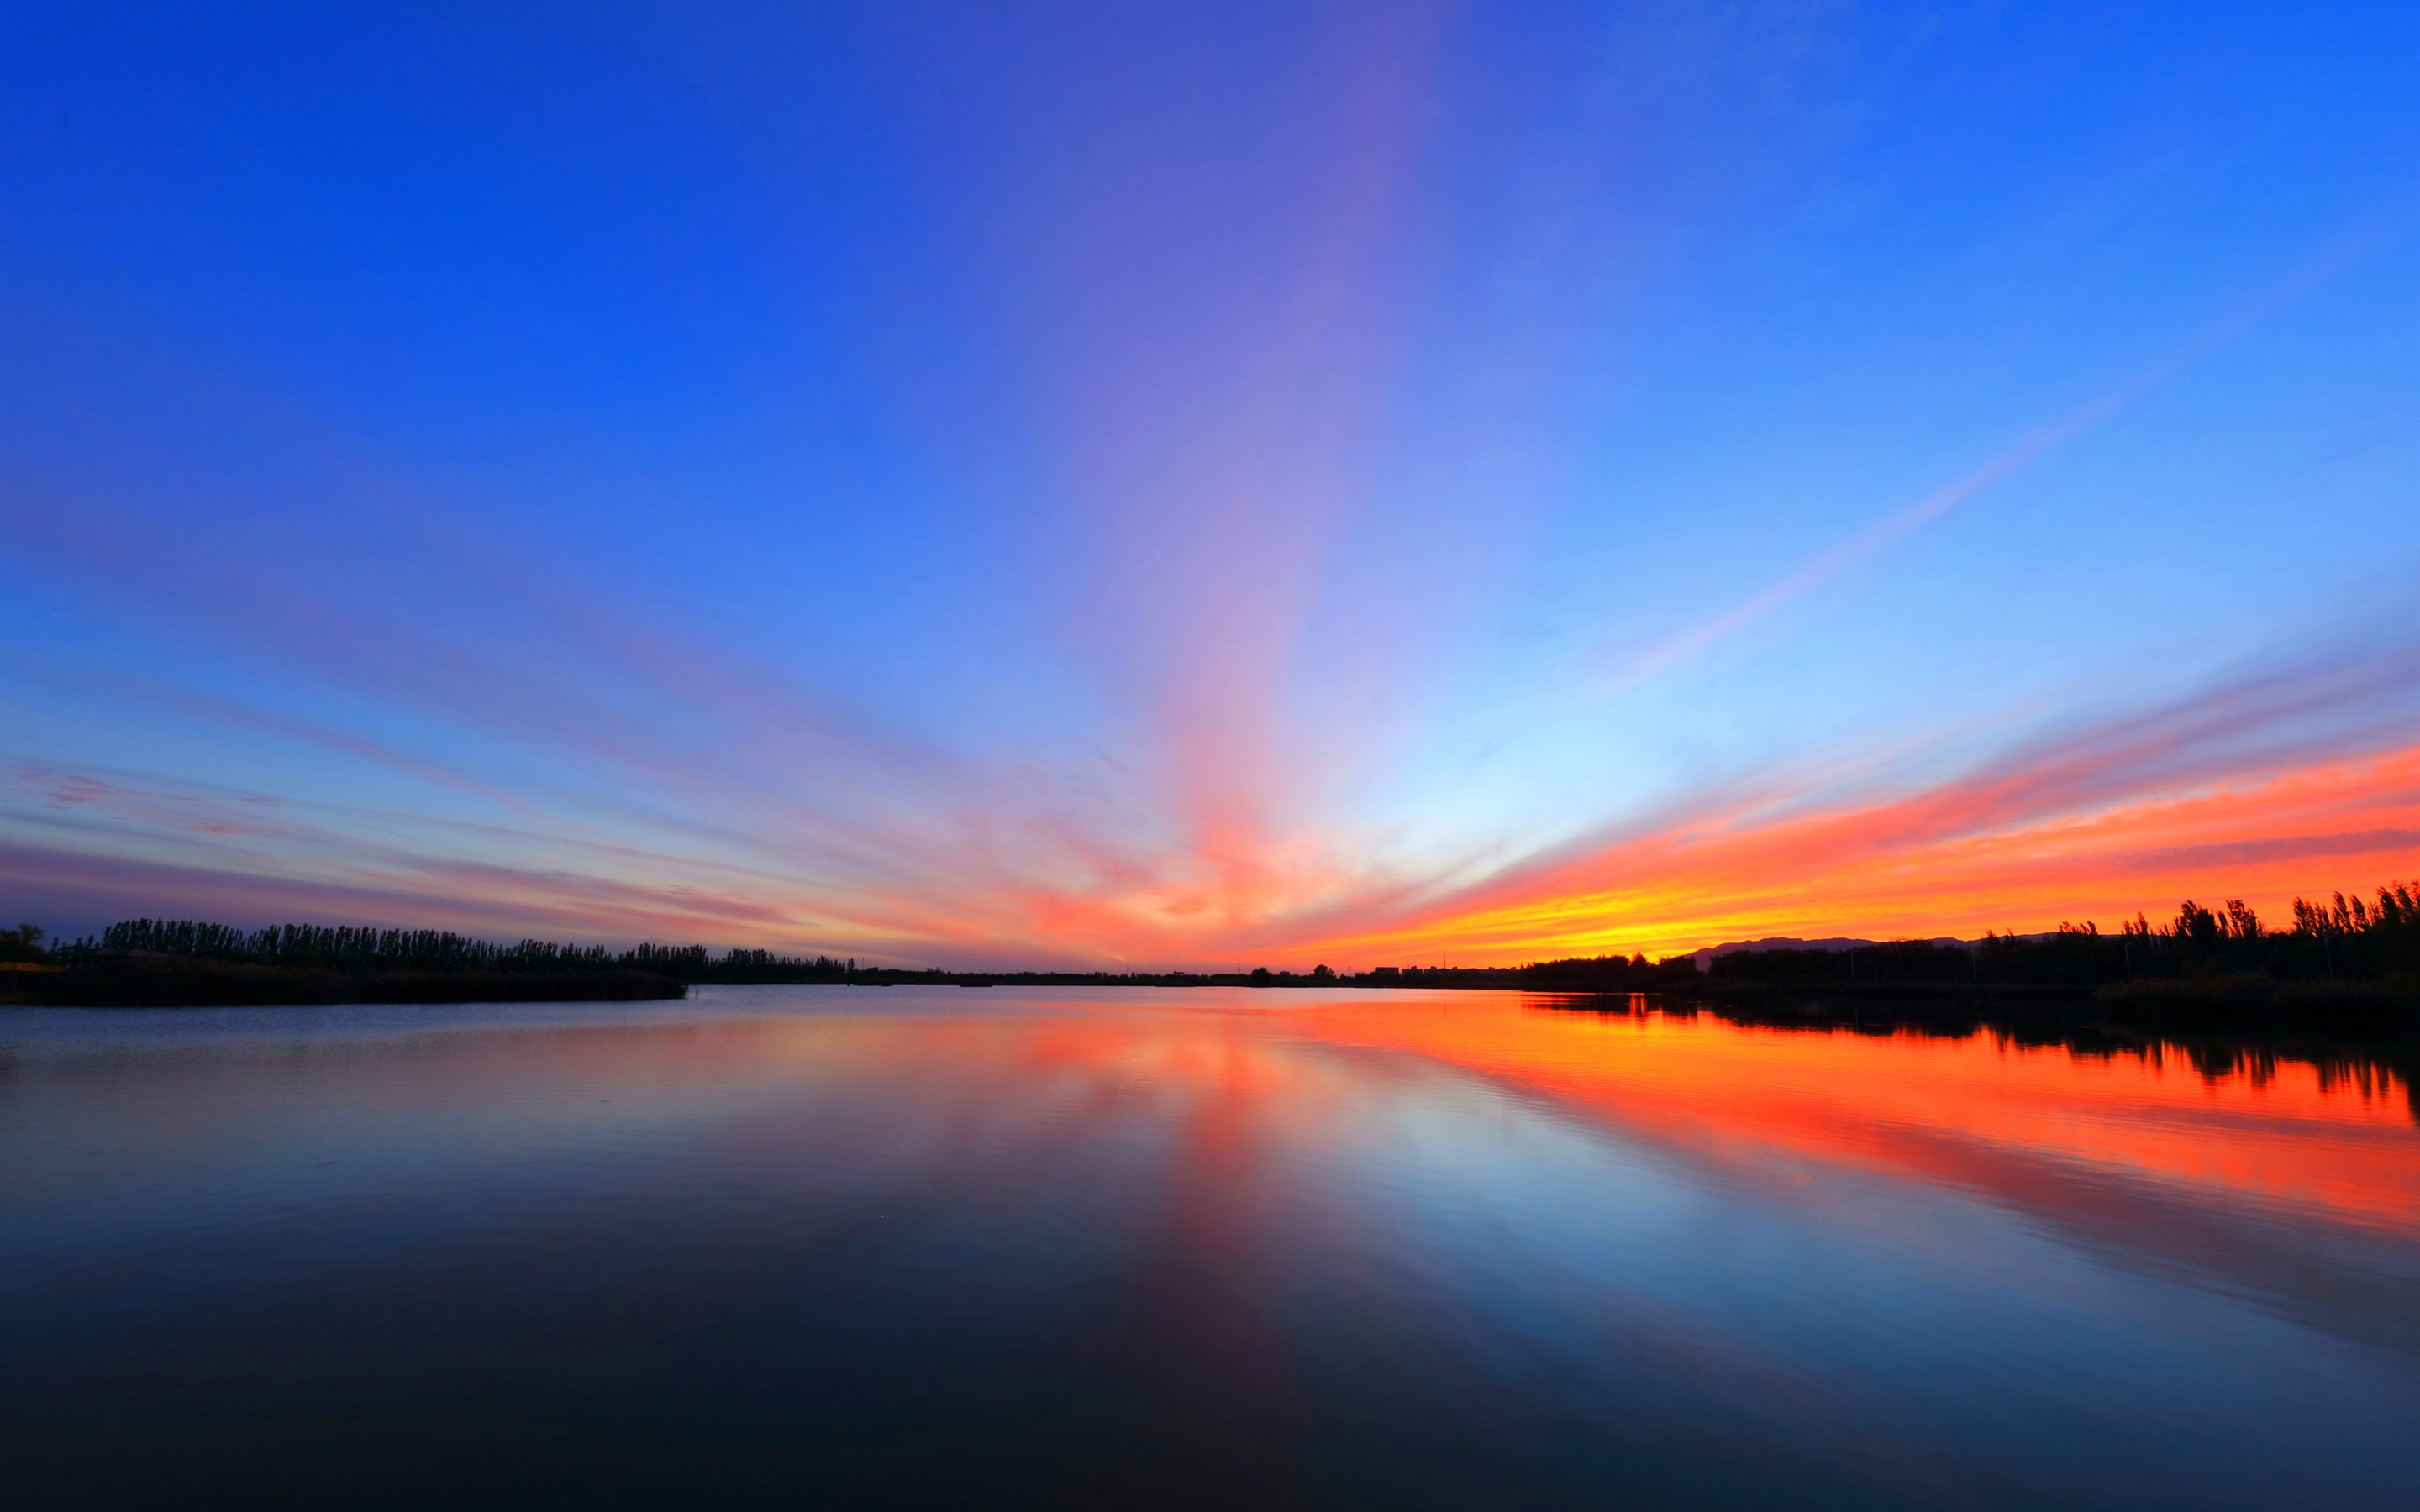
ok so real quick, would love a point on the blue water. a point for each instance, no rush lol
(832, 1247)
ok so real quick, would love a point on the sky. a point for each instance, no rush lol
(1183, 485)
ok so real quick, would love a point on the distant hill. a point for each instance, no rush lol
(1788, 942)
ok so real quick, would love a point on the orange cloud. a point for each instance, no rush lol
(1949, 861)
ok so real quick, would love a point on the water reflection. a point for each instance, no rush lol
(1194, 1248)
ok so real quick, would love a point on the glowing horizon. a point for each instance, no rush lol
(1356, 483)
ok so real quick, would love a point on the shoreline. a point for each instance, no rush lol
(2236, 1003)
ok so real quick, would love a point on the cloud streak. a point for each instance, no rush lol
(2018, 456)
(1083, 490)
(2279, 778)
(2290, 778)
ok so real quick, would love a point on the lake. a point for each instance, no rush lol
(849, 1246)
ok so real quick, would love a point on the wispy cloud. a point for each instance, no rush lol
(2283, 778)
(1633, 667)
(1104, 521)
(2280, 777)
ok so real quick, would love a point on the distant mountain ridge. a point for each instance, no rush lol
(1791, 942)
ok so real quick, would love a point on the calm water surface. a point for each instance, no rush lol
(832, 1246)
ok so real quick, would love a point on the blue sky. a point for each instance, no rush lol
(1187, 484)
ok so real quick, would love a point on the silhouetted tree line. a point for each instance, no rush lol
(23, 943)
(322, 947)
(1604, 974)
(319, 947)
(2345, 939)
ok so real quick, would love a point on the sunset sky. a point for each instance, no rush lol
(1214, 485)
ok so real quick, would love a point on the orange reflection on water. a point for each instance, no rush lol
(1265, 1232)
(2016, 1123)
(1979, 1113)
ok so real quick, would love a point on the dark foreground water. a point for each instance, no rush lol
(830, 1247)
